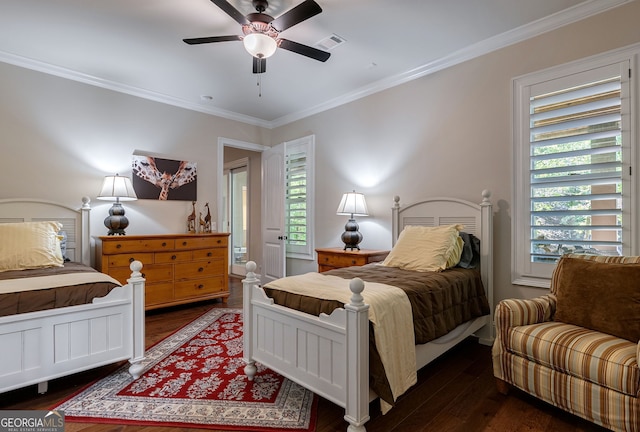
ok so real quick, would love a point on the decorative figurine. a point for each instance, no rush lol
(207, 220)
(200, 223)
(191, 219)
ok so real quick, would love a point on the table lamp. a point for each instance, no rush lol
(117, 188)
(352, 204)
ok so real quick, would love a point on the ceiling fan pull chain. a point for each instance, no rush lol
(259, 85)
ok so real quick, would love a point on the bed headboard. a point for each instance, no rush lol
(75, 221)
(476, 218)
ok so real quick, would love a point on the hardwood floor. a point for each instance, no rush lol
(455, 393)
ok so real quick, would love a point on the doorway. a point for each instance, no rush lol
(236, 203)
(229, 152)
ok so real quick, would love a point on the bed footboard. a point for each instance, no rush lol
(54, 343)
(328, 355)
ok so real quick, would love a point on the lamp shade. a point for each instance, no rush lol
(260, 45)
(352, 204)
(117, 188)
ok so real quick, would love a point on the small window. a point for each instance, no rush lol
(572, 149)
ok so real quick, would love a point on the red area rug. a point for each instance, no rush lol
(195, 378)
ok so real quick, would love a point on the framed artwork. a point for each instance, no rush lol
(164, 179)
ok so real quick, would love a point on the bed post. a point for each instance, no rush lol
(247, 338)
(486, 261)
(395, 222)
(85, 236)
(136, 281)
(357, 406)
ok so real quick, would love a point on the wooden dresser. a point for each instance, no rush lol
(179, 268)
(332, 258)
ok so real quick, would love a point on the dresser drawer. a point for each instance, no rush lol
(199, 287)
(152, 273)
(136, 245)
(198, 269)
(158, 293)
(201, 242)
(158, 272)
(125, 259)
(171, 257)
(200, 254)
(342, 260)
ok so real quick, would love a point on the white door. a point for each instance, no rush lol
(273, 217)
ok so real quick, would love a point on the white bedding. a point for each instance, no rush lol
(389, 312)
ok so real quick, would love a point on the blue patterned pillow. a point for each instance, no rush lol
(62, 235)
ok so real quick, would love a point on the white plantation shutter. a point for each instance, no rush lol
(299, 183)
(571, 188)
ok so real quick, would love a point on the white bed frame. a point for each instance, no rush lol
(329, 354)
(54, 343)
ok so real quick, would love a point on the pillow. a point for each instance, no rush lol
(601, 296)
(422, 249)
(62, 236)
(456, 253)
(29, 245)
(470, 252)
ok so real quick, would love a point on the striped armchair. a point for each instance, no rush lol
(585, 372)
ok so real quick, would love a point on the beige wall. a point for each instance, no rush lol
(448, 133)
(60, 137)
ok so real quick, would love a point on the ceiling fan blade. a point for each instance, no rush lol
(203, 40)
(303, 11)
(304, 50)
(259, 65)
(231, 11)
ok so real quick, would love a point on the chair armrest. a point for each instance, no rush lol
(517, 312)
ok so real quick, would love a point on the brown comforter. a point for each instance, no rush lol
(31, 301)
(440, 301)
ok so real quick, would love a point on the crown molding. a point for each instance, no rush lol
(541, 26)
(70, 74)
(568, 16)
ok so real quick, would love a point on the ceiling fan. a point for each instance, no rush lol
(261, 31)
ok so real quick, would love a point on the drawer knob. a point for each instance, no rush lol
(219, 241)
(201, 269)
(173, 257)
(200, 286)
(326, 259)
(209, 253)
(118, 246)
(164, 244)
(184, 243)
(131, 259)
(143, 275)
(353, 261)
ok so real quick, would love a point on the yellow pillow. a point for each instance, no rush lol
(456, 253)
(423, 249)
(29, 245)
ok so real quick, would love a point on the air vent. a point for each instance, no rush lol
(330, 42)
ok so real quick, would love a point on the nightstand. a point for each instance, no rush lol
(332, 258)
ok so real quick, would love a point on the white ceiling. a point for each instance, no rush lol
(136, 46)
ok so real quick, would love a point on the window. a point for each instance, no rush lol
(572, 174)
(299, 186)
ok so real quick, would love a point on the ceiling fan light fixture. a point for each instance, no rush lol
(260, 45)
